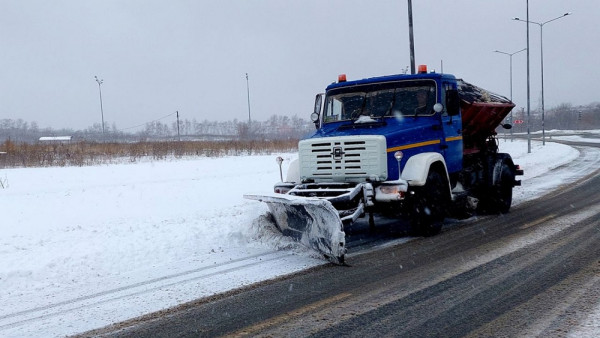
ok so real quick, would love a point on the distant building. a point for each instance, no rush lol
(56, 139)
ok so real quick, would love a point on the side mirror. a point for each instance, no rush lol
(452, 102)
(316, 115)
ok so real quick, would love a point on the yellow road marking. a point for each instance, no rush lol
(537, 221)
(251, 330)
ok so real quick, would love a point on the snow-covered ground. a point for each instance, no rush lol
(84, 247)
(589, 136)
(575, 138)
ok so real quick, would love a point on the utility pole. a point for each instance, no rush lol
(411, 38)
(178, 135)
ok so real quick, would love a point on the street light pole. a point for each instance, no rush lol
(541, 24)
(248, 89)
(101, 109)
(411, 38)
(528, 87)
(511, 82)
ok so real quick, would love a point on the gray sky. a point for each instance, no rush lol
(157, 57)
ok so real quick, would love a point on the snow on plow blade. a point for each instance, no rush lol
(313, 222)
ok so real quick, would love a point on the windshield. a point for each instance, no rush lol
(374, 101)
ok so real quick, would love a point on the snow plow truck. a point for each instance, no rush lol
(421, 146)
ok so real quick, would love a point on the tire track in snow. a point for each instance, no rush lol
(137, 289)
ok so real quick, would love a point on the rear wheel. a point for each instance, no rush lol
(499, 198)
(429, 205)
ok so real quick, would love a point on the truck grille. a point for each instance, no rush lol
(343, 159)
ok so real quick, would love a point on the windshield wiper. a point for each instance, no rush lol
(389, 111)
(354, 117)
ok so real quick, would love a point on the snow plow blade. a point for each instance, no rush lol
(311, 221)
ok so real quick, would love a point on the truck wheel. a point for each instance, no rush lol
(503, 192)
(429, 207)
(499, 197)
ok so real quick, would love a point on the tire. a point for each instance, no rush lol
(499, 197)
(429, 206)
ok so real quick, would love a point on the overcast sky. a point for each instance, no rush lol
(158, 57)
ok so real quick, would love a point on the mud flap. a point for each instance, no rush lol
(313, 222)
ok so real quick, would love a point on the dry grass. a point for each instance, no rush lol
(91, 153)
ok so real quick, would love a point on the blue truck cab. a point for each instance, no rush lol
(422, 146)
(410, 111)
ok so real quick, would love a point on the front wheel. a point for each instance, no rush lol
(429, 206)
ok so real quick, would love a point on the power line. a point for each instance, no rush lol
(143, 124)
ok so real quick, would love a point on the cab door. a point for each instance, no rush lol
(452, 142)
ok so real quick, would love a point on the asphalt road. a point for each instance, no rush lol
(532, 272)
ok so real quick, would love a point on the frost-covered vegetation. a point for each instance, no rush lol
(20, 144)
(84, 153)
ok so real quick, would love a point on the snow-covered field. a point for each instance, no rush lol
(84, 247)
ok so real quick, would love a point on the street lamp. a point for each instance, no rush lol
(542, 62)
(511, 81)
(101, 109)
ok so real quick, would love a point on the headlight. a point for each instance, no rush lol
(390, 192)
(283, 188)
(389, 189)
